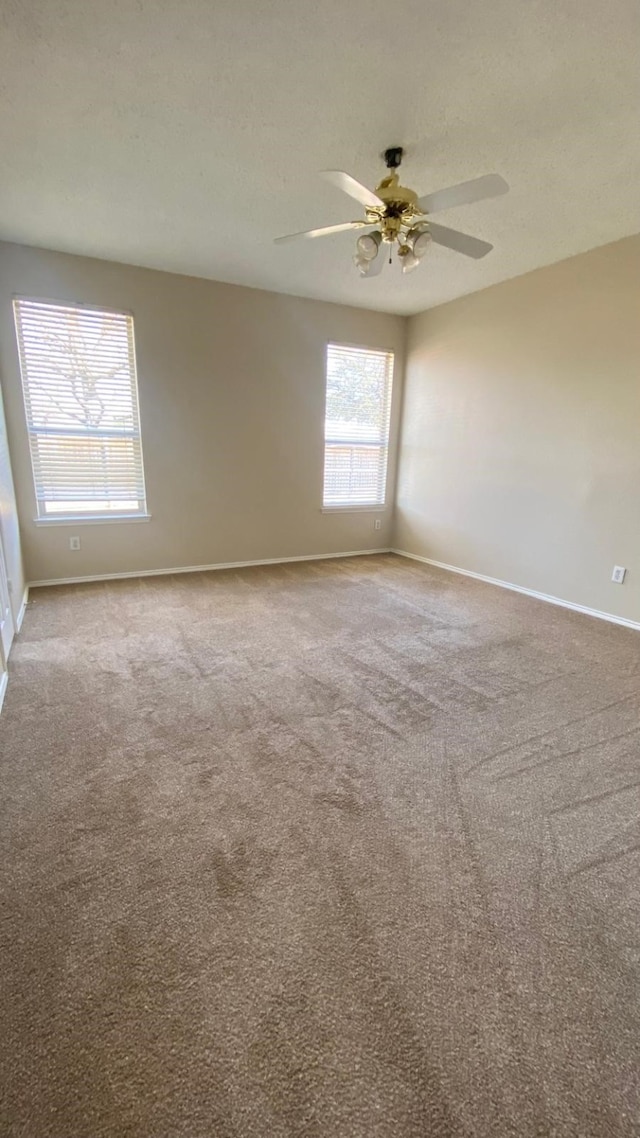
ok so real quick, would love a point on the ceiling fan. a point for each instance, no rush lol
(401, 218)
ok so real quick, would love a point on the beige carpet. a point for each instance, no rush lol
(347, 849)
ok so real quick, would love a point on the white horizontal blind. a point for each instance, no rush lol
(81, 401)
(357, 415)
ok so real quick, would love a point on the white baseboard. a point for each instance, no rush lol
(4, 680)
(328, 556)
(520, 589)
(204, 568)
(22, 609)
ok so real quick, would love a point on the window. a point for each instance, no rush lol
(356, 428)
(81, 401)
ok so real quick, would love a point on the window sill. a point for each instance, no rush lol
(347, 509)
(91, 519)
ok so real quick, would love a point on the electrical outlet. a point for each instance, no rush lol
(377, 524)
(618, 575)
(74, 543)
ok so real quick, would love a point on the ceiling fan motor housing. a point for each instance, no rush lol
(398, 210)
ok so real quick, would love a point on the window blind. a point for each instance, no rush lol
(81, 402)
(357, 415)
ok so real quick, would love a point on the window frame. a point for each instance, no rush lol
(355, 507)
(86, 517)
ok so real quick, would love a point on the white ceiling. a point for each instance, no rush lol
(186, 135)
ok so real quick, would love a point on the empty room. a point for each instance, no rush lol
(319, 569)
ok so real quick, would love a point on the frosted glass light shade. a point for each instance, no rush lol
(368, 245)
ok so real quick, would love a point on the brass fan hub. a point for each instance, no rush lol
(395, 195)
(399, 210)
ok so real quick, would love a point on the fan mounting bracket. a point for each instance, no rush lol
(393, 157)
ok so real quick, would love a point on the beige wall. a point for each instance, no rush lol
(231, 387)
(9, 527)
(520, 454)
(521, 423)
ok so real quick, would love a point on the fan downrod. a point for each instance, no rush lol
(393, 157)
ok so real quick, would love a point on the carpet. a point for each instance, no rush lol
(339, 849)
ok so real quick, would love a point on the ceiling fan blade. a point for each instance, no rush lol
(460, 242)
(489, 186)
(351, 187)
(323, 232)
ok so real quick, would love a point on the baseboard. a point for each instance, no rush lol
(4, 680)
(22, 609)
(204, 568)
(521, 589)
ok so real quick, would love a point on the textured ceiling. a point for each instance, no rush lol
(187, 135)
